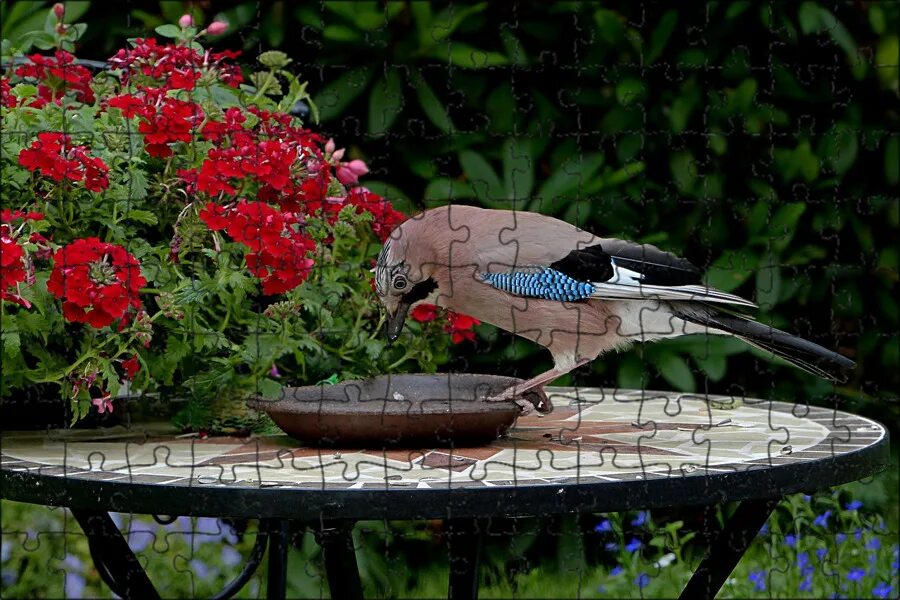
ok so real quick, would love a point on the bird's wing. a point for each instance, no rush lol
(613, 269)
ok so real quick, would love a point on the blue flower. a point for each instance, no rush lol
(601, 589)
(5, 551)
(611, 546)
(856, 574)
(641, 518)
(764, 530)
(9, 576)
(603, 526)
(873, 544)
(857, 534)
(791, 540)
(74, 586)
(840, 538)
(822, 520)
(803, 564)
(231, 557)
(882, 590)
(617, 570)
(642, 581)
(807, 497)
(821, 552)
(854, 505)
(634, 545)
(759, 580)
(200, 569)
(806, 584)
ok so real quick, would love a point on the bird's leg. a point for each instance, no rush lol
(544, 378)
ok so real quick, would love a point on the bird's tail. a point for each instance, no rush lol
(804, 354)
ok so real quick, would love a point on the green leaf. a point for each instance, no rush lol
(569, 179)
(468, 57)
(141, 216)
(444, 23)
(12, 342)
(768, 283)
(385, 102)
(661, 36)
(631, 91)
(168, 31)
(518, 168)
(339, 94)
(731, 270)
(892, 160)
(676, 371)
(442, 189)
(714, 365)
(483, 179)
(684, 171)
(269, 389)
(342, 33)
(431, 105)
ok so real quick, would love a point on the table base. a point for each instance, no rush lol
(122, 572)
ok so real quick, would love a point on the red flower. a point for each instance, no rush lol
(278, 251)
(97, 281)
(423, 313)
(129, 104)
(58, 74)
(460, 327)
(384, 217)
(174, 66)
(6, 97)
(12, 268)
(131, 366)
(51, 155)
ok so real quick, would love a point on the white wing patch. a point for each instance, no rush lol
(625, 284)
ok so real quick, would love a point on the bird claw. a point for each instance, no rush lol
(527, 401)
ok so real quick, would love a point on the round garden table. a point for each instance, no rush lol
(599, 451)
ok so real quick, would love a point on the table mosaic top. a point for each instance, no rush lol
(594, 436)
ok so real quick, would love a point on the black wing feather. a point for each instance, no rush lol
(594, 263)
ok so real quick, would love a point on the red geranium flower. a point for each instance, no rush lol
(56, 75)
(460, 327)
(423, 313)
(131, 366)
(278, 251)
(97, 281)
(53, 157)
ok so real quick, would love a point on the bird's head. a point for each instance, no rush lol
(404, 274)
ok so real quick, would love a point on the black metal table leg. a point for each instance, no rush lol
(276, 580)
(465, 539)
(116, 563)
(728, 547)
(339, 552)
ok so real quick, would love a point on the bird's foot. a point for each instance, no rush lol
(527, 401)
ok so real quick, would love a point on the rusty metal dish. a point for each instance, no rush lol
(398, 410)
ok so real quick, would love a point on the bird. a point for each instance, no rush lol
(568, 290)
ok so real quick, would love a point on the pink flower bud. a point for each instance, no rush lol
(337, 155)
(329, 146)
(273, 372)
(358, 167)
(217, 28)
(59, 10)
(345, 175)
(185, 21)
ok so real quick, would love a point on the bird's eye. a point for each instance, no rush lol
(399, 282)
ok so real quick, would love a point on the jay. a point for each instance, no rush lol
(568, 290)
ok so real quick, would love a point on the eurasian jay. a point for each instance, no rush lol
(577, 294)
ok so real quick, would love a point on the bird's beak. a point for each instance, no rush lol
(394, 324)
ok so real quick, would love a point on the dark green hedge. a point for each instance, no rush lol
(760, 141)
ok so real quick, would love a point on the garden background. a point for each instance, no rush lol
(761, 141)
